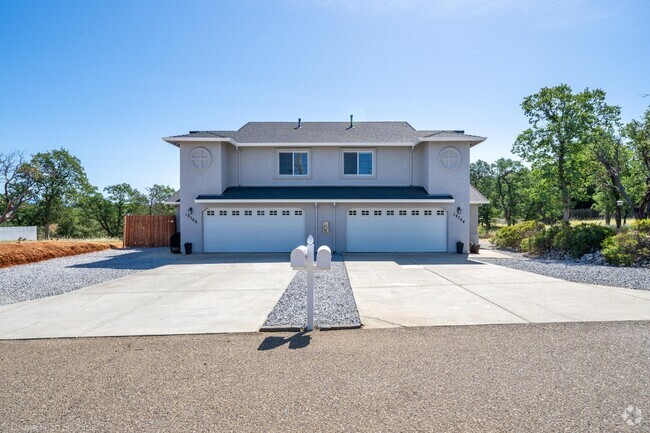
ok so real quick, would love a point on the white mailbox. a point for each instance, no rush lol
(299, 258)
(303, 258)
(324, 258)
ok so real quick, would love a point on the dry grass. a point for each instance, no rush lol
(19, 253)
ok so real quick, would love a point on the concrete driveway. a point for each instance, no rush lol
(198, 294)
(394, 290)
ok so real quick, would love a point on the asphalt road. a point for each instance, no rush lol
(549, 377)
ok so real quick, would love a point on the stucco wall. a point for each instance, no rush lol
(473, 224)
(259, 168)
(195, 182)
(456, 183)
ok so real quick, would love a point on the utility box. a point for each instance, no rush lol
(324, 258)
(299, 258)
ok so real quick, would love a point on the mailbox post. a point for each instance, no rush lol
(302, 258)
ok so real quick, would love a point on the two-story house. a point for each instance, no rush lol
(357, 187)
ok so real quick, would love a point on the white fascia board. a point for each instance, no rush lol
(346, 144)
(172, 203)
(176, 141)
(432, 201)
(476, 140)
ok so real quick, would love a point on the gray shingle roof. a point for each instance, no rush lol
(327, 132)
(475, 197)
(325, 193)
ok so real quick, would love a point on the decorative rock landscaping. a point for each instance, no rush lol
(334, 304)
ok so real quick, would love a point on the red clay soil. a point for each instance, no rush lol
(18, 253)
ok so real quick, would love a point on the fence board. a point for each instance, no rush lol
(148, 230)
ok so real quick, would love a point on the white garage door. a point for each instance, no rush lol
(396, 230)
(253, 230)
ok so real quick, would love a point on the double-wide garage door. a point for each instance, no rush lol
(253, 230)
(368, 229)
(396, 230)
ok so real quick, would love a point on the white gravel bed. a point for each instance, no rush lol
(628, 277)
(64, 274)
(334, 304)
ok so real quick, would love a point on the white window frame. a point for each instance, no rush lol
(292, 176)
(357, 151)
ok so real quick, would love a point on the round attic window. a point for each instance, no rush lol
(200, 158)
(450, 158)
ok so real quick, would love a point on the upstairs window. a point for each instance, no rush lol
(359, 163)
(293, 163)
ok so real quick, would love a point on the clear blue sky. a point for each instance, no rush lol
(107, 79)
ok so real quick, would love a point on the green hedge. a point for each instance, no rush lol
(511, 236)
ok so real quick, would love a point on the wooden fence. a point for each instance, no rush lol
(148, 230)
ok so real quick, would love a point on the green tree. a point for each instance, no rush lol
(553, 144)
(482, 178)
(17, 176)
(60, 181)
(156, 196)
(510, 181)
(638, 134)
(109, 209)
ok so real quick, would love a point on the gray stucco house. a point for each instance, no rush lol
(357, 187)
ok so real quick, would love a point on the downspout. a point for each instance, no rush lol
(238, 165)
(316, 231)
(411, 167)
(334, 228)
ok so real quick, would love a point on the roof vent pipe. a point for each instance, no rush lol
(351, 122)
(299, 120)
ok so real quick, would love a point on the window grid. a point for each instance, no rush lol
(260, 213)
(390, 212)
(402, 213)
(223, 213)
(298, 212)
(248, 213)
(235, 213)
(415, 212)
(273, 212)
(427, 212)
(365, 212)
(377, 213)
(285, 212)
(210, 213)
(440, 212)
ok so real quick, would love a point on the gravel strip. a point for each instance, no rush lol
(61, 275)
(631, 278)
(334, 304)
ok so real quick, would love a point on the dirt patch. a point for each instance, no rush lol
(19, 253)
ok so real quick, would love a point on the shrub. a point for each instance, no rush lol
(642, 226)
(627, 248)
(573, 240)
(542, 241)
(581, 239)
(512, 236)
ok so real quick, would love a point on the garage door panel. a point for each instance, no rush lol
(253, 230)
(396, 230)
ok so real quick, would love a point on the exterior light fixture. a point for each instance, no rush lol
(458, 210)
(619, 203)
(189, 211)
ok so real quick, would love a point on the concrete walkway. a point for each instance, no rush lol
(393, 290)
(200, 294)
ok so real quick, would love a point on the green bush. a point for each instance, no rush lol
(581, 239)
(627, 248)
(573, 240)
(512, 236)
(542, 241)
(642, 226)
